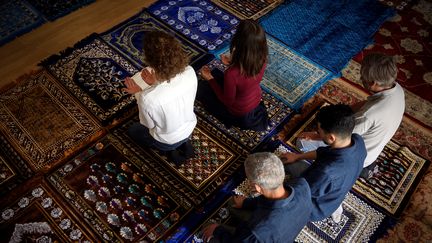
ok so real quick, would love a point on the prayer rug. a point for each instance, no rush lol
(198, 20)
(290, 76)
(16, 18)
(119, 194)
(328, 32)
(13, 169)
(217, 158)
(407, 37)
(37, 216)
(94, 73)
(398, 173)
(127, 38)
(248, 9)
(53, 9)
(43, 122)
(360, 223)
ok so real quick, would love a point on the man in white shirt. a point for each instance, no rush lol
(165, 99)
(378, 117)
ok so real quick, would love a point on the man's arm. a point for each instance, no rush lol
(293, 157)
(357, 106)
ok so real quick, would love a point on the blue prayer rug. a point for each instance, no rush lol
(277, 111)
(54, 9)
(94, 72)
(290, 76)
(198, 20)
(328, 32)
(16, 18)
(127, 37)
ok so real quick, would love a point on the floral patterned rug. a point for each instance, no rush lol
(248, 9)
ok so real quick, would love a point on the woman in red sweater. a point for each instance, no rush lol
(234, 97)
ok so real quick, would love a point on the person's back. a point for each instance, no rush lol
(378, 119)
(333, 174)
(282, 220)
(170, 104)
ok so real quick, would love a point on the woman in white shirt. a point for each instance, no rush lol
(165, 93)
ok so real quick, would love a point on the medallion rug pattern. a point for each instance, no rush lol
(198, 20)
(94, 73)
(42, 121)
(37, 216)
(217, 158)
(16, 18)
(248, 9)
(127, 38)
(121, 201)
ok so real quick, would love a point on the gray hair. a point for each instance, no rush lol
(379, 68)
(265, 169)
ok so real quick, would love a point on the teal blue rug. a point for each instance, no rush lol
(290, 76)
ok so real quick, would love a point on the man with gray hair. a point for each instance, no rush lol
(277, 215)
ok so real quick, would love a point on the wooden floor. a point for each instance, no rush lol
(24, 53)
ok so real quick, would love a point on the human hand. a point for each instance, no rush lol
(289, 157)
(131, 86)
(309, 136)
(148, 77)
(238, 201)
(206, 73)
(226, 59)
(208, 232)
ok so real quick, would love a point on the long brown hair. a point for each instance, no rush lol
(164, 53)
(249, 48)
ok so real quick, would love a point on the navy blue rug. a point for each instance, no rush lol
(127, 38)
(328, 32)
(200, 21)
(16, 18)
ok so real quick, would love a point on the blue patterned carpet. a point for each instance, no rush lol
(127, 38)
(290, 76)
(16, 18)
(200, 21)
(328, 32)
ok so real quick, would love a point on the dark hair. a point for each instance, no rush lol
(379, 68)
(164, 54)
(337, 119)
(249, 48)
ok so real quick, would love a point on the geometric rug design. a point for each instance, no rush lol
(37, 216)
(16, 18)
(290, 76)
(117, 194)
(13, 169)
(53, 9)
(42, 121)
(248, 9)
(217, 158)
(127, 37)
(200, 21)
(398, 174)
(94, 73)
(360, 223)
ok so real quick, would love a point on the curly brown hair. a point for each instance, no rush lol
(164, 54)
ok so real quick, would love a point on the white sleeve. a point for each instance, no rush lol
(362, 125)
(144, 114)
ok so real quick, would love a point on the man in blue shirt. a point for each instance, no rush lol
(337, 166)
(278, 215)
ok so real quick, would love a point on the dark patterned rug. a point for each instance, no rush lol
(248, 9)
(38, 216)
(119, 194)
(398, 173)
(127, 37)
(93, 72)
(200, 21)
(43, 122)
(52, 9)
(16, 18)
(13, 169)
(217, 158)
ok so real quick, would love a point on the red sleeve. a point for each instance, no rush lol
(228, 94)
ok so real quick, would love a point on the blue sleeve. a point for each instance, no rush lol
(250, 203)
(242, 234)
